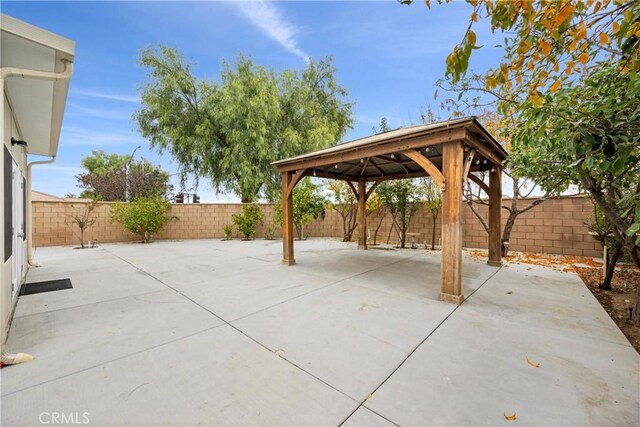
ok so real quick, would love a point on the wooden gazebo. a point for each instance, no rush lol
(448, 151)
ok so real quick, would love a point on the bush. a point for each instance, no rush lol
(247, 222)
(228, 232)
(268, 233)
(144, 216)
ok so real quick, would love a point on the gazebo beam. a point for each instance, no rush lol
(376, 150)
(481, 149)
(451, 264)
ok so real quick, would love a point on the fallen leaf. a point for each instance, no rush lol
(511, 417)
(532, 363)
(369, 396)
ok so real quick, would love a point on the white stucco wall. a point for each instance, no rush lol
(19, 154)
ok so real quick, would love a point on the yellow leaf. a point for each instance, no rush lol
(511, 417)
(597, 7)
(556, 67)
(554, 88)
(546, 47)
(584, 58)
(573, 46)
(369, 396)
(616, 27)
(536, 100)
(474, 17)
(604, 39)
(529, 361)
(428, 3)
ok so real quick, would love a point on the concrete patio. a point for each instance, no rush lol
(208, 332)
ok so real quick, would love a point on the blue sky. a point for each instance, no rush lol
(387, 55)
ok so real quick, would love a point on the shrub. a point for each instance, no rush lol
(247, 222)
(268, 233)
(228, 232)
(144, 216)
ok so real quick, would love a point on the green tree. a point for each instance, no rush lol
(248, 221)
(401, 198)
(308, 204)
(432, 200)
(344, 202)
(230, 131)
(376, 209)
(109, 177)
(143, 217)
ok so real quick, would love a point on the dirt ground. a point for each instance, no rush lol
(616, 302)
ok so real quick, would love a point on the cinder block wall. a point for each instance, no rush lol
(555, 226)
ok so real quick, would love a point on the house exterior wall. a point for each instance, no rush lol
(554, 227)
(19, 155)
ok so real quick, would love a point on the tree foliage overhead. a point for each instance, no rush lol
(230, 130)
(548, 43)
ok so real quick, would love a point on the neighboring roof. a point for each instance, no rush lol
(39, 196)
(379, 155)
(38, 105)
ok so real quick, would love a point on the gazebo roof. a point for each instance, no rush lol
(384, 155)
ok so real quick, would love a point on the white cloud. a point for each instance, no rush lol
(105, 95)
(98, 112)
(269, 19)
(77, 136)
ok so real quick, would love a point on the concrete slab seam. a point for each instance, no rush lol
(362, 403)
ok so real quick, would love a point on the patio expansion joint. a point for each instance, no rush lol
(124, 356)
(55, 310)
(228, 323)
(362, 403)
(335, 282)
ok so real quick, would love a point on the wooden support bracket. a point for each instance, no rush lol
(467, 164)
(483, 185)
(429, 167)
(295, 180)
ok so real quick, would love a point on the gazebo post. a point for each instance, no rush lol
(495, 207)
(362, 214)
(451, 265)
(287, 219)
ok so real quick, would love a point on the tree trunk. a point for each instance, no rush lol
(82, 237)
(375, 233)
(434, 215)
(506, 234)
(611, 266)
(634, 253)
